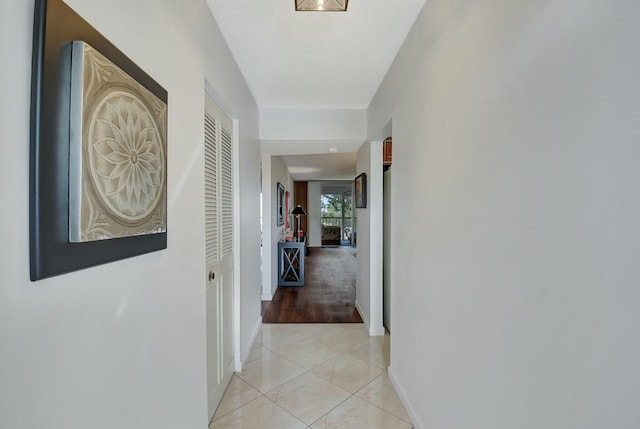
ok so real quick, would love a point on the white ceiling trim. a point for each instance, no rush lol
(334, 166)
(308, 147)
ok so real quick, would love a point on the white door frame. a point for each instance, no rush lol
(267, 210)
(375, 203)
(237, 276)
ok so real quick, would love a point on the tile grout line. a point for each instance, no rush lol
(235, 409)
(289, 412)
(375, 405)
(274, 351)
(225, 392)
(382, 409)
(309, 371)
(306, 372)
(351, 395)
(329, 412)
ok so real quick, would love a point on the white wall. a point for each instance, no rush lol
(369, 239)
(337, 187)
(309, 124)
(275, 172)
(515, 217)
(363, 301)
(314, 192)
(123, 344)
(268, 218)
(386, 249)
(311, 131)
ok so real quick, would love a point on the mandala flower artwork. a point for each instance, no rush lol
(126, 156)
(118, 170)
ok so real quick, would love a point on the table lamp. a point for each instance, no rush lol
(298, 211)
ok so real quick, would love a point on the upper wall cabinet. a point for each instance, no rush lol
(386, 151)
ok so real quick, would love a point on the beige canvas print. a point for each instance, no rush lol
(118, 152)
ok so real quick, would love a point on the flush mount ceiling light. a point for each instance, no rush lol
(321, 5)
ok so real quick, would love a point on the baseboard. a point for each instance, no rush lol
(245, 353)
(377, 331)
(417, 424)
(364, 318)
(374, 332)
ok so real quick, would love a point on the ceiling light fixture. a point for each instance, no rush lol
(321, 5)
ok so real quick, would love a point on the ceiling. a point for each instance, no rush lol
(314, 59)
(329, 166)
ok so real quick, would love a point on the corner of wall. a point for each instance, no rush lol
(245, 353)
(417, 423)
(363, 315)
(279, 173)
(375, 197)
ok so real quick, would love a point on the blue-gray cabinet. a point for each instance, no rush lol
(291, 263)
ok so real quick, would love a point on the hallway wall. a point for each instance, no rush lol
(314, 214)
(515, 217)
(369, 239)
(122, 345)
(276, 172)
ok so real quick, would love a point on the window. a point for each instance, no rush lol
(336, 210)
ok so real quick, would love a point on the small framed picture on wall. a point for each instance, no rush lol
(280, 205)
(361, 191)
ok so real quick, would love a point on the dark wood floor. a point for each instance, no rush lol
(328, 294)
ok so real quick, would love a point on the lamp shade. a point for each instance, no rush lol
(299, 211)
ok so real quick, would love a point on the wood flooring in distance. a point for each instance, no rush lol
(328, 294)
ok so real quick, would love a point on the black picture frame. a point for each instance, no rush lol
(360, 191)
(280, 214)
(51, 252)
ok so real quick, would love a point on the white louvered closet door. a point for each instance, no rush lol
(219, 250)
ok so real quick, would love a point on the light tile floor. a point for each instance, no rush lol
(313, 376)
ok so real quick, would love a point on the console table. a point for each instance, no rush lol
(291, 263)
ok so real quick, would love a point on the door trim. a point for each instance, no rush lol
(237, 272)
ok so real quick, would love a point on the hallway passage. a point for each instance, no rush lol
(314, 376)
(328, 294)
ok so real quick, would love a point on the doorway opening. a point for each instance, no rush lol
(336, 218)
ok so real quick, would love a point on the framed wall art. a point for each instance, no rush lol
(287, 215)
(98, 153)
(280, 214)
(360, 187)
